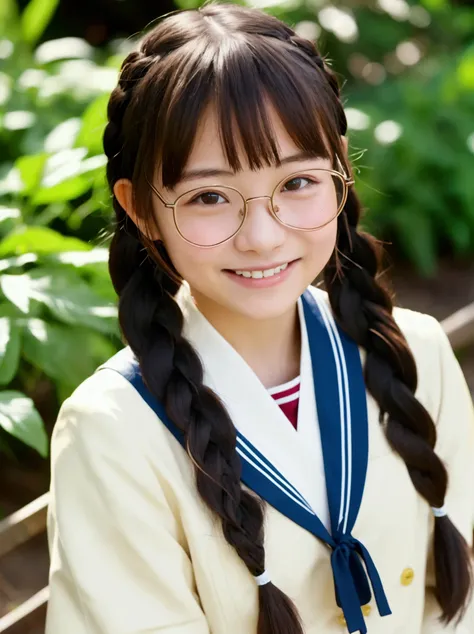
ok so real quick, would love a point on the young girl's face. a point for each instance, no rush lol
(262, 244)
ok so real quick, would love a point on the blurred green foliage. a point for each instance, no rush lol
(57, 306)
(409, 94)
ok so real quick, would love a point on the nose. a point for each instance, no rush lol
(261, 232)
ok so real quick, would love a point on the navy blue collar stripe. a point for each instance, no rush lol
(251, 454)
(341, 403)
(342, 413)
(274, 477)
(346, 422)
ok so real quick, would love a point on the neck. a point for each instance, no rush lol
(272, 348)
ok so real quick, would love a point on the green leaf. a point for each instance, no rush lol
(40, 240)
(8, 213)
(8, 15)
(65, 294)
(66, 190)
(9, 218)
(465, 70)
(62, 177)
(94, 121)
(10, 348)
(98, 255)
(434, 5)
(63, 136)
(51, 212)
(36, 17)
(67, 355)
(7, 309)
(11, 182)
(73, 301)
(19, 417)
(5, 88)
(31, 170)
(18, 262)
(17, 289)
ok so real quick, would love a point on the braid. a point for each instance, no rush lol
(133, 69)
(152, 323)
(310, 50)
(364, 309)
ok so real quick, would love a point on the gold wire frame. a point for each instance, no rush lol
(346, 182)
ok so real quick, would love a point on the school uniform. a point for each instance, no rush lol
(134, 550)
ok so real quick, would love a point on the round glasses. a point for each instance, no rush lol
(306, 200)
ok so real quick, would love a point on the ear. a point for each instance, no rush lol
(345, 145)
(123, 191)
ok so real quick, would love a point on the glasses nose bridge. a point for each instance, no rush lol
(269, 198)
(247, 200)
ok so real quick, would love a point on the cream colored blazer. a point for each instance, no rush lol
(135, 551)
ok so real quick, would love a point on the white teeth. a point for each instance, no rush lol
(257, 275)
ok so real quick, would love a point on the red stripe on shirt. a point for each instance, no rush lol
(290, 392)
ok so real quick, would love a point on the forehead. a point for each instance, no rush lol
(208, 150)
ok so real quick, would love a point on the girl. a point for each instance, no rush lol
(263, 457)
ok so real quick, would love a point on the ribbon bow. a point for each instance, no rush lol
(351, 581)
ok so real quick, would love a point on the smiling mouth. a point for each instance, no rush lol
(258, 274)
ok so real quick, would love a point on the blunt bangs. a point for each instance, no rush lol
(239, 75)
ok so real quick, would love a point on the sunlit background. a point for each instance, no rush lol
(407, 70)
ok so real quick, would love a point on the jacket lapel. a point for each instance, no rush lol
(296, 455)
(308, 430)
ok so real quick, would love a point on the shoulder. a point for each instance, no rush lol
(429, 345)
(423, 332)
(104, 413)
(105, 391)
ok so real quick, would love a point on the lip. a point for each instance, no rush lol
(265, 267)
(263, 282)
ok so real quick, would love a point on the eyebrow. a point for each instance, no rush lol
(210, 171)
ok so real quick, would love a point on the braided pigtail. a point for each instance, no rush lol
(152, 324)
(363, 308)
(310, 50)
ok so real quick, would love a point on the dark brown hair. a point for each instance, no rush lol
(237, 60)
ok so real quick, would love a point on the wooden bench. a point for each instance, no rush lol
(460, 327)
(29, 521)
(15, 530)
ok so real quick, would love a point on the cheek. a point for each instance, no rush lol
(191, 262)
(322, 244)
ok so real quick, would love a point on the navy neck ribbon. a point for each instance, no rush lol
(342, 412)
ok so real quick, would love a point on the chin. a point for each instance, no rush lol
(261, 306)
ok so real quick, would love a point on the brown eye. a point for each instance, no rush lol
(297, 183)
(209, 199)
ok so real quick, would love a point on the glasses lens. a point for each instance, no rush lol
(309, 200)
(209, 215)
